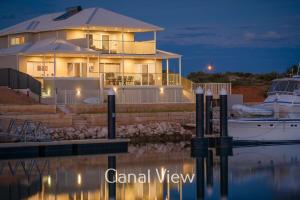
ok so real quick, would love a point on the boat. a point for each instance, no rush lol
(276, 119)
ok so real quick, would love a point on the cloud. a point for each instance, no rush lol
(271, 35)
(249, 36)
(224, 36)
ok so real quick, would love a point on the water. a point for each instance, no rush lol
(269, 172)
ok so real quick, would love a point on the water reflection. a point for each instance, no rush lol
(264, 172)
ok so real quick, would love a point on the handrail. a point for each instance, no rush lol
(15, 79)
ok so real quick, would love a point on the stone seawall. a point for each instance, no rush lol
(137, 133)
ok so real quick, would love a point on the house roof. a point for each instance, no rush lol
(94, 18)
(46, 46)
(57, 46)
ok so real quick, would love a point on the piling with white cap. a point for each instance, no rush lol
(111, 177)
(199, 112)
(111, 114)
(223, 113)
(209, 112)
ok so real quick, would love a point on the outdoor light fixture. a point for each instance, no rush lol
(78, 92)
(49, 180)
(161, 89)
(115, 89)
(79, 179)
(48, 91)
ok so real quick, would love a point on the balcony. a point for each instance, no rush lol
(123, 47)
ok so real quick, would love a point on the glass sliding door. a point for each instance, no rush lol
(145, 74)
(105, 43)
(77, 70)
(112, 73)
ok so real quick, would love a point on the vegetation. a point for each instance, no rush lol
(241, 78)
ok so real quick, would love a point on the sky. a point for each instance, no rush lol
(233, 35)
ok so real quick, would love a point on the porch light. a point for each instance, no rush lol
(115, 89)
(49, 180)
(78, 92)
(48, 91)
(161, 89)
(79, 179)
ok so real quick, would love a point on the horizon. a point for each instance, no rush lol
(265, 36)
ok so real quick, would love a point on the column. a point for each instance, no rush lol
(54, 79)
(180, 70)
(123, 48)
(167, 71)
(154, 36)
(44, 65)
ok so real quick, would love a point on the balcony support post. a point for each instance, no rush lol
(180, 70)
(167, 71)
(154, 36)
(44, 65)
(54, 80)
(123, 58)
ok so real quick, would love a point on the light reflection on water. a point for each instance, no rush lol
(269, 172)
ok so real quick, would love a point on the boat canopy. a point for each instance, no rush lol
(284, 85)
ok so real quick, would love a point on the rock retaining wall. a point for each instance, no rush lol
(138, 133)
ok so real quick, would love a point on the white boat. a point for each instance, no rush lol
(277, 119)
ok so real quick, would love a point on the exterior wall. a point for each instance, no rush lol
(8, 61)
(72, 84)
(3, 42)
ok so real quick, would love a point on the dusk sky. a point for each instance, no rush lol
(232, 35)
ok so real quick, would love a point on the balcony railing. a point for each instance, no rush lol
(128, 79)
(126, 47)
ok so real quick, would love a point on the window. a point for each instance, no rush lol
(17, 40)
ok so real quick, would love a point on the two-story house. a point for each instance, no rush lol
(80, 53)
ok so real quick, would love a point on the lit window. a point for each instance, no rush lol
(17, 40)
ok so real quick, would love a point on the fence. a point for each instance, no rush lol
(214, 87)
(124, 95)
(19, 80)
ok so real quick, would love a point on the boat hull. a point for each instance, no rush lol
(264, 130)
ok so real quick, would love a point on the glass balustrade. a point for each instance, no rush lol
(128, 79)
(126, 47)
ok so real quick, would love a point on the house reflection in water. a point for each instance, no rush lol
(83, 178)
(273, 171)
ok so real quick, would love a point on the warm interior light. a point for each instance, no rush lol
(79, 179)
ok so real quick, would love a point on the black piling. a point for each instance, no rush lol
(199, 113)
(224, 176)
(224, 141)
(111, 114)
(209, 113)
(209, 170)
(200, 186)
(199, 144)
(223, 114)
(112, 177)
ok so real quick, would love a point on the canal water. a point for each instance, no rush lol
(262, 172)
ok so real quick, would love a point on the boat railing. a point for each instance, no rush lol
(281, 92)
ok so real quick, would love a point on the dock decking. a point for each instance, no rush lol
(62, 148)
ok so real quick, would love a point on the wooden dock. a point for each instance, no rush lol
(62, 148)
